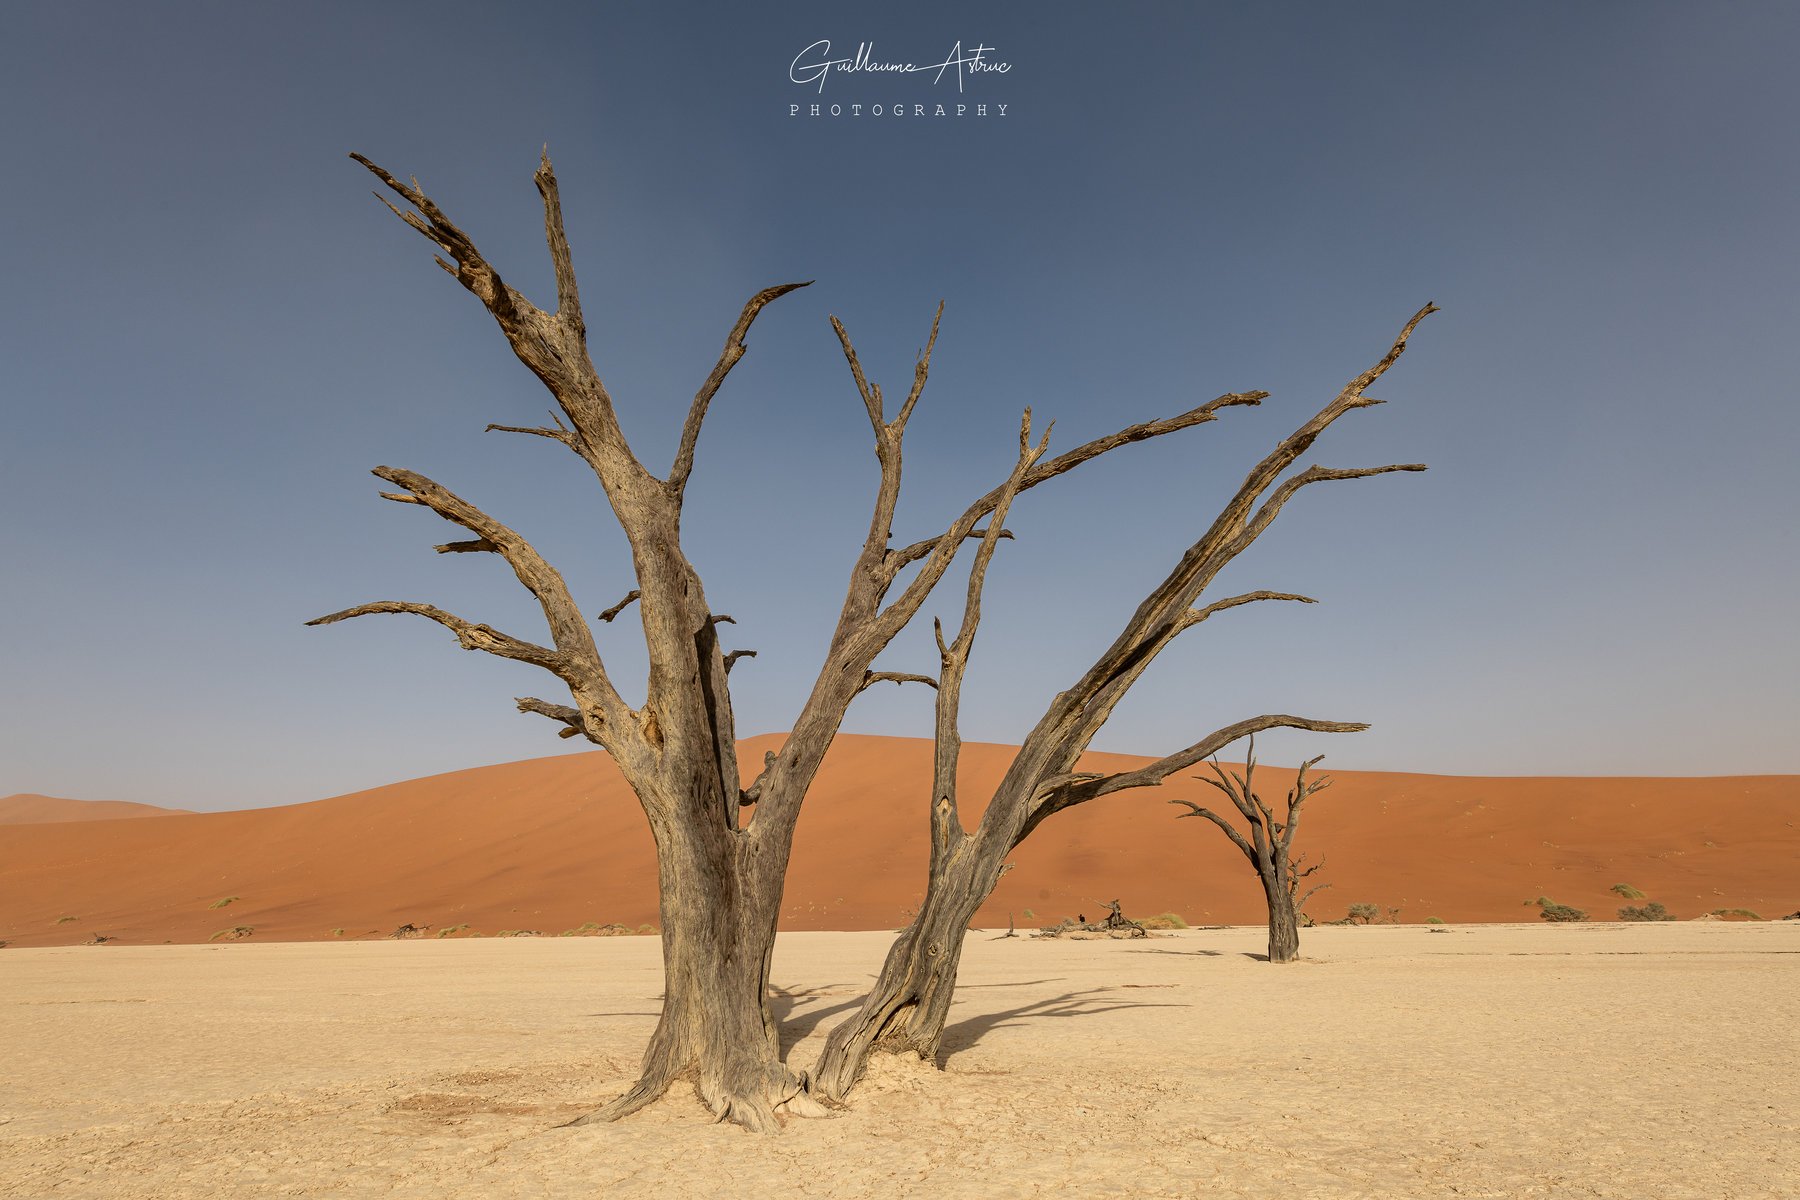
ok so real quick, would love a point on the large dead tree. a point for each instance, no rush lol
(719, 872)
(906, 1009)
(1269, 846)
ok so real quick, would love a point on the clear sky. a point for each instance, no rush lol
(209, 332)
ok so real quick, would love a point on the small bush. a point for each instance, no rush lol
(63, 920)
(1168, 920)
(1627, 891)
(337, 933)
(447, 930)
(1434, 920)
(1030, 914)
(646, 928)
(232, 934)
(222, 903)
(1550, 910)
(1362, 914)
(1649, 912)
(1736, 912)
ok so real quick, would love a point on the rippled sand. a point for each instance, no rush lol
(1481, 1061)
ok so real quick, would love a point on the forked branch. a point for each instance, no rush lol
(728, 358)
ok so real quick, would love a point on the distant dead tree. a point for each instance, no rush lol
(906, 1009)
(720, 873)
(1269, 846)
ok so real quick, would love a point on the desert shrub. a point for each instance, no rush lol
(1649, 912)
(63, 920)
(337, 933)
(1550, 910)
(222, 903)
(646, 929)
(1030, 914)
(1627, 891)
(1362, 914)
(447, 930)
(232, 934)
(1168, 920)
(1434, 920)
(1736, 912)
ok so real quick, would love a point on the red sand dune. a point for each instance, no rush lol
(29, 808)
(549, 844)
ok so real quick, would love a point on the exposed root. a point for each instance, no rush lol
(644, 1092)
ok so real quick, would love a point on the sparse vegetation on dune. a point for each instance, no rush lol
(447, 930)
(64, 920)
(222, 903)
(233, 934)
(1745, 913)
(1550, 910)
(1627, 891)
(1652, 911)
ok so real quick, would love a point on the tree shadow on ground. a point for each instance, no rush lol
(964, 1034)
(783, 1002)
(1182, 953)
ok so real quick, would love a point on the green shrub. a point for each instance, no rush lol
(1030, 914)
(1649, 912)
(63, 920)
(1627, 891)
(1362, 914)
(447, 930)
(222, 903)
(232, 934)
(337, 933)
(1550, 910)
(1736, 912)
(1168, 920)
(1434, 920)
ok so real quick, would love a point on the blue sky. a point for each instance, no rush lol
(209, 332)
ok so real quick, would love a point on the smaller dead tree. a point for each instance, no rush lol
(1268, 847)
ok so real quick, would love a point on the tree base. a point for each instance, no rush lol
(756, 1113)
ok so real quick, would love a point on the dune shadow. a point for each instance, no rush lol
(964, 1034)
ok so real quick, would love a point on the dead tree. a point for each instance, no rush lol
(906, 1009)
(1269, 846)
(719, 873)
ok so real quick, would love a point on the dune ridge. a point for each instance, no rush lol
(549, 844)
(29, 808)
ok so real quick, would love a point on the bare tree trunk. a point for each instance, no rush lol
(907, 1006)
(1284, 922)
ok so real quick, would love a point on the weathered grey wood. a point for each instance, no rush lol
(1269, 848)
(719, 876)
(906, 1008)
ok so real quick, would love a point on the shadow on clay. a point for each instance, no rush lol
(964, 1034)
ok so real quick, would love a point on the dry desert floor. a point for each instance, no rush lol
(1646, 1062)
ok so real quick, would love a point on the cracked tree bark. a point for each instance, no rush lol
(719, 873)
(906, 1009)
